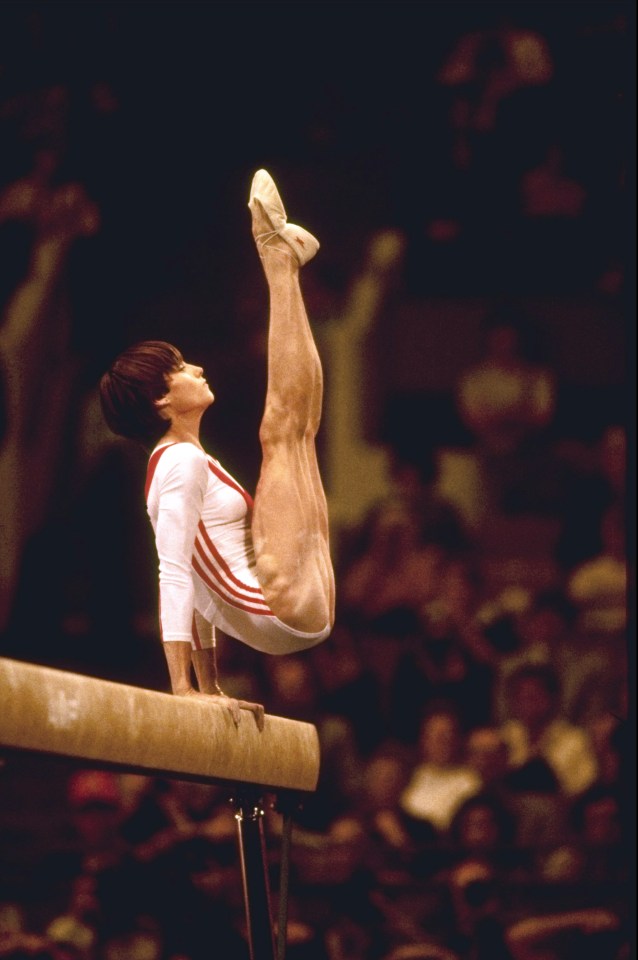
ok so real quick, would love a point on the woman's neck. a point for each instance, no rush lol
(183, 432)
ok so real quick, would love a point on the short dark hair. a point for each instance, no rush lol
(130, 388)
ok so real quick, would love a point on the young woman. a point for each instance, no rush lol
(260, 571)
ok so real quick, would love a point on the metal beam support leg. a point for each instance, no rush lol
(250, 834)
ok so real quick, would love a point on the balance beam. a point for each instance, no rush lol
(143, 731)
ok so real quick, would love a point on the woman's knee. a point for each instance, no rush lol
(285, 422)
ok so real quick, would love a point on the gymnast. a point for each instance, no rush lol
(259, 571)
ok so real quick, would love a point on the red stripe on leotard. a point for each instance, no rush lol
(243, 593)
(233, 603)
(226, 478)
(222, 563)
(152, 467)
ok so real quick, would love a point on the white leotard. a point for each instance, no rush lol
(207, 574)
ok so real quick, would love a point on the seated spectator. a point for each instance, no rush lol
(505, 395)
(391, 846)
(172, 812)
(294, 693)
(595, 480)
(393, 570)
(544, 635)
(334, 888)
(486, 752)
(507, 399)
(440, 781)
(147, 807)
(350, 688)
(184, 844)
(484, 830)
(608, 735)
(385, 584)
(536, 730)
(454, 655)
(94, 878)
(75, 930)
(598, 586)
(477, 927)
(598, 589)
(142, 942)
(595, 853)
(530, 794)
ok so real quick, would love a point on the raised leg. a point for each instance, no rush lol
(290, 520)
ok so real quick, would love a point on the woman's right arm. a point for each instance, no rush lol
(182, 484)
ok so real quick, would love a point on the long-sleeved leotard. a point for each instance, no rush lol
(207, 575)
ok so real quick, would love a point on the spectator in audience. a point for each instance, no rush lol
(75, 930)
(595, 853)
(599, 585)
(477, 926)
(545, 635)
(350, 688)
(486, 752)
(93, 878)
(507, 400)
(608, 736)
(454, 659)
(536, 730)
(390, 576)
(394, 572)
(391, 845)
(594, 481)
(293, 692)
(440, 780)
(598, 588)
(484, 830)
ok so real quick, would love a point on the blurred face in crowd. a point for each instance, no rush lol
(480, 829)
(440, 739)
(601, 822)
(383, 781)
(543, 626)
(532, 703)
(486, 752)
(98, 824)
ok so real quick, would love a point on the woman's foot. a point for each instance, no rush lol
(270, 222)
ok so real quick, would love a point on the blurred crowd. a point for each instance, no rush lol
(474, 800)
(473, 701)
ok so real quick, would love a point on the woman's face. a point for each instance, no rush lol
(188, 390)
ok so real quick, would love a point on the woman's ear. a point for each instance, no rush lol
(161, 405)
